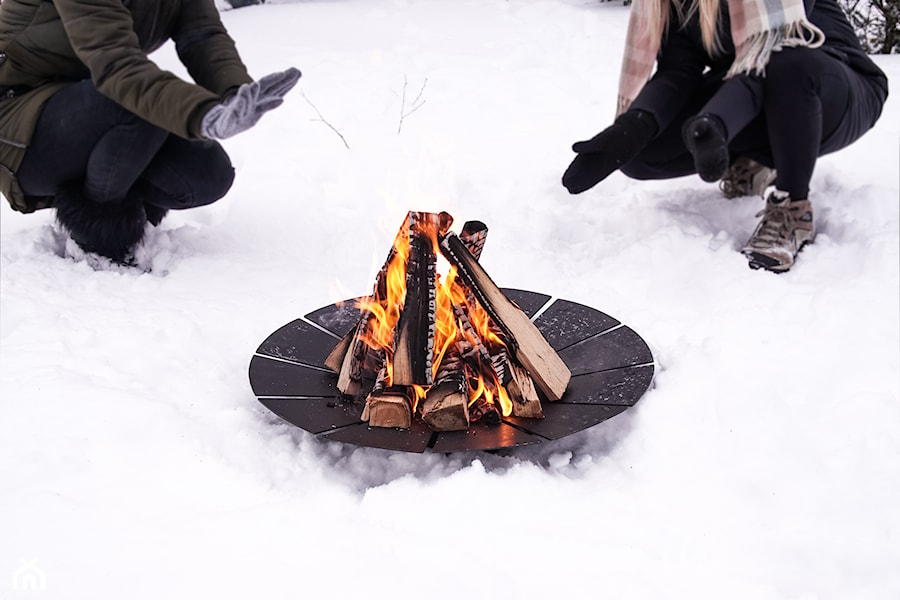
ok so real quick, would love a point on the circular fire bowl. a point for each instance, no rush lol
(611, 366)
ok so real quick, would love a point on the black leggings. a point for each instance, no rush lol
(83, 136)
(808, 104)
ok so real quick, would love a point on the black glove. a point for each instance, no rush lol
(242, 110)
(706, 140)
(609, 150)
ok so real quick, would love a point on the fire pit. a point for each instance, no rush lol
(449, 365)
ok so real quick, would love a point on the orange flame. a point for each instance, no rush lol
(387, 303)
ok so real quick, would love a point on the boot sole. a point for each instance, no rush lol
(761, 261)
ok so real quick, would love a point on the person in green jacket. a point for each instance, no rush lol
(91, 127)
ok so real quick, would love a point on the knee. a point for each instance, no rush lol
(187, 174)
(218, 174)
(210, 176)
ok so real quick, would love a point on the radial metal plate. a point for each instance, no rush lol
(612, 367)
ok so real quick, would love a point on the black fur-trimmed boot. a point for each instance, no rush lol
(109, 229)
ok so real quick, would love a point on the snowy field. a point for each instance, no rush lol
(136, 463)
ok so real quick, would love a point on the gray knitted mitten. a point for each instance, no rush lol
(245, 107)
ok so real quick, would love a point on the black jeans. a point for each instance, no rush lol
(83, 136)
(808, 104)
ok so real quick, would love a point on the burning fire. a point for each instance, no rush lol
(386, 306)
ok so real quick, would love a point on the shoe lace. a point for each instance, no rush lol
(777, 223)
(736, 179)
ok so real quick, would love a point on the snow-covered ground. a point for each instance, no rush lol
(135, 461)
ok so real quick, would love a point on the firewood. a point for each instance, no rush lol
(360, 363)
(446, 404)
(525, 400)
(335, 358)
(479, 359)
(473, 235)
(389, 408)
(352, 370)
(414, 336)
(524, 340)
(482, 411)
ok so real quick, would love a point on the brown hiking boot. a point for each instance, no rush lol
(786, 226)
(746, 177)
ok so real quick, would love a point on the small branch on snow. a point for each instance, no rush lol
(416, 104)
(323, 120)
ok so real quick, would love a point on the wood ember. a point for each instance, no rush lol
(481, 411)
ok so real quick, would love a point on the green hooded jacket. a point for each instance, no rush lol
(46, 44)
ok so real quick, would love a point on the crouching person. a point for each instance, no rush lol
(743, 91)
(91, 127)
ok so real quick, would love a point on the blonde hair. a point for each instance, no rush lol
(660, 15)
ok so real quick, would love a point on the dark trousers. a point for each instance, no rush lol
(808, 104)
(83, 136)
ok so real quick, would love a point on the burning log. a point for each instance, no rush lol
(349, 358)
(414, 345)
(482, 411)
(525, 402)
(523, 339)
(446, 404)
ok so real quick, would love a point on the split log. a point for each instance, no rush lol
(523, 339)
(360, 363)
(349, 357)
(524, 397)
(388, 406)
(473, 236)
(391, 407)
(335, 358)
(446, 404)
(414, 336)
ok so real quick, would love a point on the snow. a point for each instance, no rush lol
(135, 461)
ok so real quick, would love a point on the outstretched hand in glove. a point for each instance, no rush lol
(609, 150)
(244, 108)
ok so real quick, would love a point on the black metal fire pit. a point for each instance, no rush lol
(611, 366)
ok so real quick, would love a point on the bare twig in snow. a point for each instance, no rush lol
(323, 120)
(414, 106)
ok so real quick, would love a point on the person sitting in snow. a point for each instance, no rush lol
(743, 88)
(90, 126)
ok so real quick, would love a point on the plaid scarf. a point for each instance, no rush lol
(758, 28)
